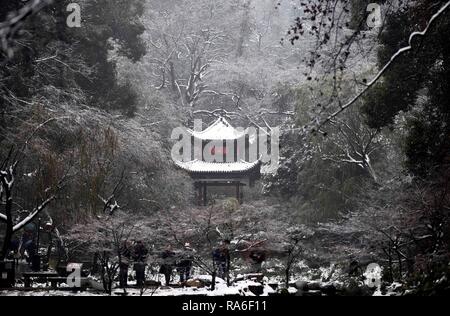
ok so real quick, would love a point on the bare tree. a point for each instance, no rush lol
(107, 237)
(183, 51)
(355, 142)
(293, 250)
(329, 24)
(205, 228)
(8, 173)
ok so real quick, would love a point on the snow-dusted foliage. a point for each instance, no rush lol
(362, 188)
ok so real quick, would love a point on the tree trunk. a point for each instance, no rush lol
(287, 276)
(371, 171)
(213, 279)
(245, 29)
(9, 220)
(49, 248)
(173, 77)
(400, 266)
(106, 274)
(391, 268)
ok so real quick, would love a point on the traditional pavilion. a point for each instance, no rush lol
(225, 178)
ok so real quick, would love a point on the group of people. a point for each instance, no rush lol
(24, 246)
(136, 252)
(221, 259)
(180, 261)
(183, 262)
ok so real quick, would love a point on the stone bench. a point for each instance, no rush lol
(57, 281)
(29, 276)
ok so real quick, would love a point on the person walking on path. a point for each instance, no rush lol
(221, 258)
(168, 260)
(140, 256)
(184, 266)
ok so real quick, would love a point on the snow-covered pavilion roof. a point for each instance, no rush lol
(219, 130)
(197, 166)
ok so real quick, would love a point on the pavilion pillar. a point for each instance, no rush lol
(238, 192)
(199, 194)
(205, 194)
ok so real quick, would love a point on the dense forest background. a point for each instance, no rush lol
(86, 116)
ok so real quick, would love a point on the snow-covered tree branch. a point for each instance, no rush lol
(418, 34)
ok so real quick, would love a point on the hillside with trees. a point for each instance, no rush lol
(361, 100)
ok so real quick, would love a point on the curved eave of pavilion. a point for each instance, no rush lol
(219, 130)
(201, 167)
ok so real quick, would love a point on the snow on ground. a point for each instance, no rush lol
(238, 288)
(324, 277)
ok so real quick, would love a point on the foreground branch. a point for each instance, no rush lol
(10, 28)
(398, 54)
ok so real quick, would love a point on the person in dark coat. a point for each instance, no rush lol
(139, 268)
(354, 269)
(184, 266)
(168, 260)
(29, 248)
(140, 252)
(257, 257)
(140, 256)
(221, 258)
(14, 249)
(124, 264)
